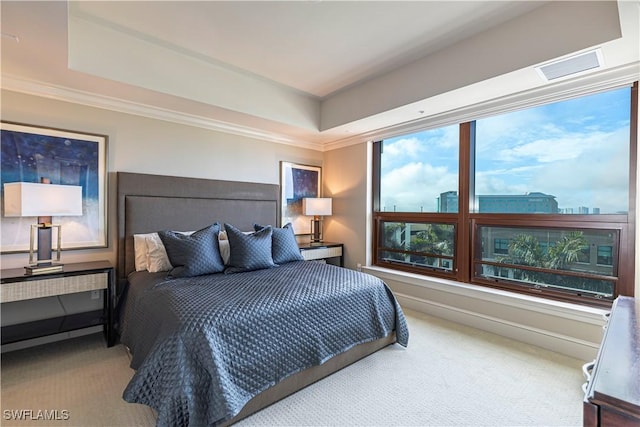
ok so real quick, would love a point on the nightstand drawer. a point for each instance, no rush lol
(44, 287)
(321, 253)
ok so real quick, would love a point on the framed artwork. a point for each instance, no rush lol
(297, 182)
(30, 153)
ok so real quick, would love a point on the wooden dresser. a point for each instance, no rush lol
(612, 395)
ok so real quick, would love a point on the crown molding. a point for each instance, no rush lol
(599, 81)
(61, 93)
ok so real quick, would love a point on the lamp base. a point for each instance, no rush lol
(42, 232)
(32, 270)
(316, 231)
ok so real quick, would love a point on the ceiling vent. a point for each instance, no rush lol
(572, 65)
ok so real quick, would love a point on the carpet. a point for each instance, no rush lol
(450, 375)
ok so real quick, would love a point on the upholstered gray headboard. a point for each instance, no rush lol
(148, 203)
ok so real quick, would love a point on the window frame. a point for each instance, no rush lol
(467, 220)
(556, 222)
(447, 219)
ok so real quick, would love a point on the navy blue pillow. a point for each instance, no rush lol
(249, 251)
(284, 247)
(195, 254)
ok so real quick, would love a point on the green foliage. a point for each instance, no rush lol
(567, 250)
(525, 249)
(436, 239)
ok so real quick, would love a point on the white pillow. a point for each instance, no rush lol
(157, 258)
(225, 249)
(140, 250)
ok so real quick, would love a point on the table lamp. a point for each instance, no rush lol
(316, 207)
(42, 200)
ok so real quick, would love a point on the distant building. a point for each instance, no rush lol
(448, 202)
(583, 210)
(518, 203)
(534, 202)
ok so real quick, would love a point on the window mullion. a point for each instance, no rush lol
(465, 198)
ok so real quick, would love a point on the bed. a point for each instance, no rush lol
(209, 347)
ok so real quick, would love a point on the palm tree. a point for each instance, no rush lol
(567, 250)
(525, 249)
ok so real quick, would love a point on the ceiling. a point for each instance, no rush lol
(309, 73)
(313, 46)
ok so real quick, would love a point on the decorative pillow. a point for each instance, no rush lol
(249, 251)
(284, 247)
(150, 253)
(140, 250)
(157, 257)
(225, 250)
(193, 255)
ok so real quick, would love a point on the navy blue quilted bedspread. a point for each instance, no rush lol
(203, 347)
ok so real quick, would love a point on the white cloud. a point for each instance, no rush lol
(598, 177)
(416, 185)
(487, 184)
(405, 147)
(543, 150)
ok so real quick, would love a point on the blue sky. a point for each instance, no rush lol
(576, 150)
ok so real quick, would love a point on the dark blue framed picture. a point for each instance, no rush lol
(297, 182)
(31, 153)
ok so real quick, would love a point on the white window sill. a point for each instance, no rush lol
(566, 310)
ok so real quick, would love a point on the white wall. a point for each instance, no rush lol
(138, 144)
(345, 180)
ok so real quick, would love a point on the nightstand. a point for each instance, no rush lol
(96, 276)
(327, 251)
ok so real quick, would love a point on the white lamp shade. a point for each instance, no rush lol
(32, 199)
(320, 206)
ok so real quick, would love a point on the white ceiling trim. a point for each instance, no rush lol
(59, 93)
(597, 82)
(561, 90)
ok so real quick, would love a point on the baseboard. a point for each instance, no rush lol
(559, 343)
(570, 329)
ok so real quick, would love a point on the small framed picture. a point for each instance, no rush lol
(297, 182)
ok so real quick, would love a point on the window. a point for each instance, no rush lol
(584, 255)
(605, 255)
(534, 201)
(500, 246)
(425, 245)
(548, 258)
(570, 157)
(418, 170)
